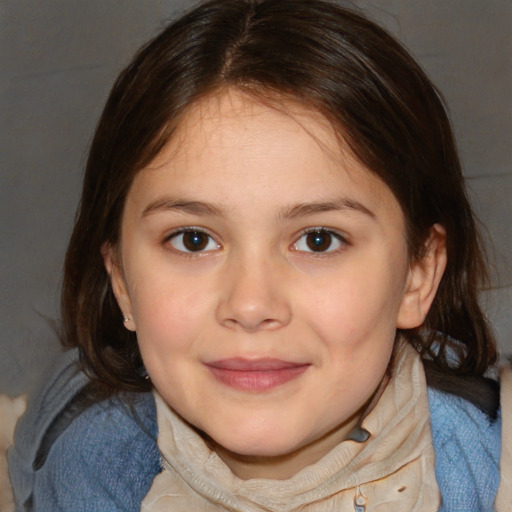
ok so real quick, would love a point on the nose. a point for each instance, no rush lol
(254, 295)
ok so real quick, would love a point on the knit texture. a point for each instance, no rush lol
(467, 446)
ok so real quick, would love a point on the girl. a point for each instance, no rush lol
(271, 285)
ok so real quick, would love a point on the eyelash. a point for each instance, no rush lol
(190, 230)
(334, 237)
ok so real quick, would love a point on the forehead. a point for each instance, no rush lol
(245, 111)
(233, 141)
(233, 118)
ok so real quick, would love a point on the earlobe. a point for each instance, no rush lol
(423, 280)
(114, 269)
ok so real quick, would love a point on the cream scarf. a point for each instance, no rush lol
(392, 471)
(504, 497)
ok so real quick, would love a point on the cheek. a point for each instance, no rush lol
(168, 314)
(354, 307)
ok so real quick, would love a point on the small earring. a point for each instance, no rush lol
(125, 319)
(143, 373)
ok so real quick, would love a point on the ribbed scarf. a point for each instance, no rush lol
(393, 470)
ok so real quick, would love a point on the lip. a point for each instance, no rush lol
(255, 375)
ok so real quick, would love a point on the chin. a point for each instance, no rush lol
(258, 446)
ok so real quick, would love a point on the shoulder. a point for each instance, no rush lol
(467, 444)
(453, 417)
(67, 457)
(105, 459)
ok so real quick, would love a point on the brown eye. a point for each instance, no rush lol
(321, 240)
(195, 241)
(192, 241)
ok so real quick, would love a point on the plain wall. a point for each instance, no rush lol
(58, 59)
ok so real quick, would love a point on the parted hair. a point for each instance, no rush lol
(325, 57)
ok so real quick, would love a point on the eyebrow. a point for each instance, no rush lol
(199, 208)
(204, 209)
(305, 209)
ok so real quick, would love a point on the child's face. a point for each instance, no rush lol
(265, 274)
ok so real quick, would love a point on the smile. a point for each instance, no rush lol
(255, 375)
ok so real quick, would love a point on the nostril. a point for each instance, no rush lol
(254, 326)
(271, 323)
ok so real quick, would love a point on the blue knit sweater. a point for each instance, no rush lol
(107, 458)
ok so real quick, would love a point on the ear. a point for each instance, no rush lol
(424, 277)
(114, 269)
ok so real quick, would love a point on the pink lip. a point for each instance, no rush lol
(255, 375)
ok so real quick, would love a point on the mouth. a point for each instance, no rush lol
(255, 375)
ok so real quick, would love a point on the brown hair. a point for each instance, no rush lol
(326, 57)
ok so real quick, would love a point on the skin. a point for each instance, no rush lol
(253, 178)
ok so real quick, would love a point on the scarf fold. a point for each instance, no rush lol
(504, 498)
(393, 470)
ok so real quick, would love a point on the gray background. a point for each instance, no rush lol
(58, 59)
